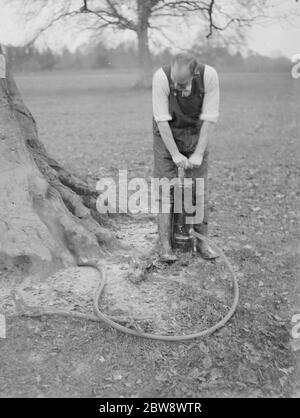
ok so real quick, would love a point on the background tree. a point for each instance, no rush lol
(143, 18)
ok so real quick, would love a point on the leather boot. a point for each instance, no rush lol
(203, 248)
(164, 232)
(206, 251)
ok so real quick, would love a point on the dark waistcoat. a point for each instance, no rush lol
(185, 110)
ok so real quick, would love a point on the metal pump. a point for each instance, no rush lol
(182, 237)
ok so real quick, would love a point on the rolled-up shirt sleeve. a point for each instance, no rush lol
(211, 101)
(160, 96)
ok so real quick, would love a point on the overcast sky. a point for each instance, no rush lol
(269, 40)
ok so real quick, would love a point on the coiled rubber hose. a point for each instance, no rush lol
(33, 311)
(186, 337)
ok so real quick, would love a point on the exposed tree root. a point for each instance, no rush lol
(47, 214)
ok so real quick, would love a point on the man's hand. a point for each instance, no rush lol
(195, 160)
(181, 161)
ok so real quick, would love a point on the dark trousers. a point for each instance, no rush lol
(165, 167)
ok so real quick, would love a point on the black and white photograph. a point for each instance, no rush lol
(149, 202)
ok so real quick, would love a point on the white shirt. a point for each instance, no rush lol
(161, 92)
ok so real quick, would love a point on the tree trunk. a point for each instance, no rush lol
(48, 217)
(145, 62)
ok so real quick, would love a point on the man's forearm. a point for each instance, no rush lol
(167, 137)
(203, 138)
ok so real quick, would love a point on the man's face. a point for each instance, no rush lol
(181, 75)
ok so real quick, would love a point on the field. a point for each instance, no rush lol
(95, 124)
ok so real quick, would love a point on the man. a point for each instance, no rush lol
(185, 99)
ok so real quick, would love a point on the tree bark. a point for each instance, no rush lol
(48, 217)
(145, 62)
